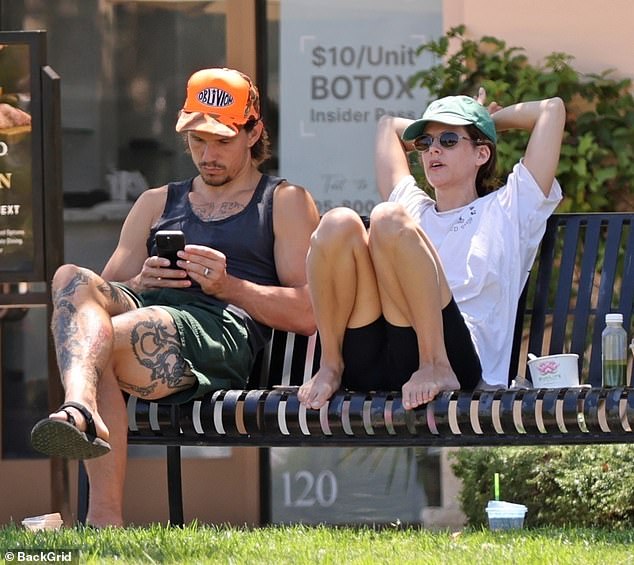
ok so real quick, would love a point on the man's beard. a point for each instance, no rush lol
(215, 179)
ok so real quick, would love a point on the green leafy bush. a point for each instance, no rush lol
(582, 486)
(596, 168)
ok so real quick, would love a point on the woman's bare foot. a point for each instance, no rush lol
(315, 393)
(426, 383)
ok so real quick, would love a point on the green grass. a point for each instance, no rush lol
(296, 545)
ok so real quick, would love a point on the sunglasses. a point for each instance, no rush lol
(447, 139)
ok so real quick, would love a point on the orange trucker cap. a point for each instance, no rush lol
(218, 101)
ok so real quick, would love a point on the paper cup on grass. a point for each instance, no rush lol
(555, 371)
(43, 522)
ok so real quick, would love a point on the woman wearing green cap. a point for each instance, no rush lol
(426, 299)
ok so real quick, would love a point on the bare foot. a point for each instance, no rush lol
(99, 520)
(320, 388)
(426, 383)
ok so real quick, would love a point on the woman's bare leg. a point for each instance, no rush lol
(343, 292)
(413, 291)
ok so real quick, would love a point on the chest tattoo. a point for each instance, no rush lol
(216, 211)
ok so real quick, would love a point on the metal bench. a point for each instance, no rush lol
(584, 269)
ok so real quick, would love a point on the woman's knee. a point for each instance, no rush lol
(390, 222)
(338, 227)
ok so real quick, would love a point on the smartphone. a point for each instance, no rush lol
(168, 242)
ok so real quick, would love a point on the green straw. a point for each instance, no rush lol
(496, 485)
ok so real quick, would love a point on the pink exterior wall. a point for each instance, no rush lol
(597, 34)
(223, 490)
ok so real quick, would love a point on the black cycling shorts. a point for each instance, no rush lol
(381, 356)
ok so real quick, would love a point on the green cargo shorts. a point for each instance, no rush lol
(214, 340)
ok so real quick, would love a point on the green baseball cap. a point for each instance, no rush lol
(455, 111)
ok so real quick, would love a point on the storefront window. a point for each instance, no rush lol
(123, 66)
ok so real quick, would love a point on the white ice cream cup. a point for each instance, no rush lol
(555, 371)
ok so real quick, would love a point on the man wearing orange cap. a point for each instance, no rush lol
(175, 333)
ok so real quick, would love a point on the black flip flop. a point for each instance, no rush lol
(63, 439)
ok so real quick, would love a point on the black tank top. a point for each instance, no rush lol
(246, 239)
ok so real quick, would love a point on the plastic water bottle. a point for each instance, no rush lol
(614, 351)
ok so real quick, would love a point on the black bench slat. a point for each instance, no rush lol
(528, 407)
(403, 421)
(152, 418)
(211, 415)
(334, 412)
(374, 413)
(563, 288)
(629, 411)
(359, 422)
(270, 417)
(230, 412)
(463, 414)
(507, 412)
(627, 288)
(606, 295)
(186, 418)
(313, 422)
(550, 400)
(571, 411)
(591, 405)
(291, 407)
(538, 309)
(582, 320)
(441, 411)
(613, 412)
(252, 412)
(610, 259)
(485, 413)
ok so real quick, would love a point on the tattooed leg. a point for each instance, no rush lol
(147, 361)
(73, 283)
(83, 335)
(156, 346)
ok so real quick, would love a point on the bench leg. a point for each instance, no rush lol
(265, 486)
(83, 491)
(174, 485)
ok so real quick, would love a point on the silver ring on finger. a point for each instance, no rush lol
(206, 272)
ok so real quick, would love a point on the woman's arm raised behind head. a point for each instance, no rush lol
(545, 119)
(390, 155)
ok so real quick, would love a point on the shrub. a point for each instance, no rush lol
(596, 169)
(584, 486)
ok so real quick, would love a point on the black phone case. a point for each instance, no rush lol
(168, 242)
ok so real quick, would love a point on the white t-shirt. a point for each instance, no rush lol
(487, 249)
